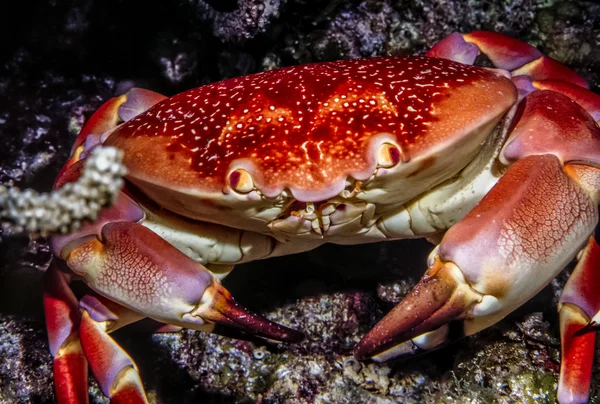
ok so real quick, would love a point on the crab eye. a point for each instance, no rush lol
(388, 155)
(241, 181)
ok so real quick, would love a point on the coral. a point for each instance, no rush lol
(63, 210)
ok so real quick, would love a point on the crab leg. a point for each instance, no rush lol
(588, 100)
(530, 69)
(506, 53)
(72, 339)
(579, 303)
(114, 370)
(107, 118)
(62, 322)
(515, 241)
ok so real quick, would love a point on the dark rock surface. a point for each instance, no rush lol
(64, 58)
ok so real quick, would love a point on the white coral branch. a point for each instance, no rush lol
(63, 210)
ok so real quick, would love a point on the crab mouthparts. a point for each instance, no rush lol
(317, 218)
(317, 213)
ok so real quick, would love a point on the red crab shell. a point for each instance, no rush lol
(310, 128)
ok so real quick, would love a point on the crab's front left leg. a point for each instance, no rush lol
(146, 276)
(137, 274)
(62, 323)
(136, 268)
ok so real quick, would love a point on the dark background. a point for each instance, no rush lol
(59, 60)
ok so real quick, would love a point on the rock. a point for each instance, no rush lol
(65, 60)
(238, 22)
(25, 362)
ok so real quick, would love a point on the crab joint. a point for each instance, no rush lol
(347, 194)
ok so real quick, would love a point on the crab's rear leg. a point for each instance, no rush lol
(77, 336)
(62, 323)
(115, 371)
(578, 305)
(530, 69)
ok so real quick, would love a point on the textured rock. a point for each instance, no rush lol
(236, 21)
(64, 59)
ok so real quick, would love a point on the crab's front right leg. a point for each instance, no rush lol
(520, 236)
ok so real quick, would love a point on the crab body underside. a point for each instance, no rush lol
(502, 165)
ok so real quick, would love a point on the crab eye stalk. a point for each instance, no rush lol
(241, 181)
(388, 155)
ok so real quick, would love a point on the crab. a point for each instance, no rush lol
(500, 166)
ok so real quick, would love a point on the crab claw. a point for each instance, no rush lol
(492, 261)
(136, 268)
(219, 307)
(442, 295)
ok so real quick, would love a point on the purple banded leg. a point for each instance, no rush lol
(114, 370)
(156, 279)
(588, 100)
(503, 51)
(62, 322)
(514, 242)
(506, 53)
(529, 68)
(540, 130)
(579, 303)
(108, 117)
